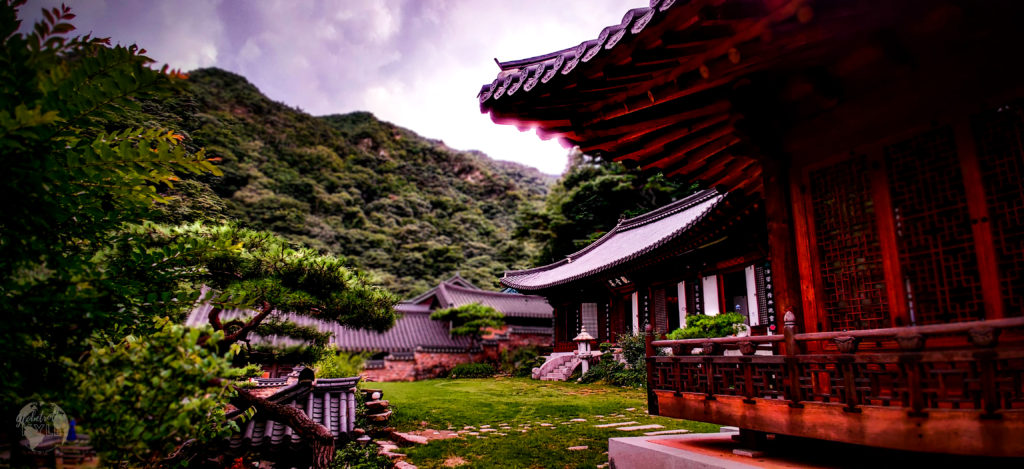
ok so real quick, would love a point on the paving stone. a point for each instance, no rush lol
(630, 409)
(666, 432)
(485, 430)
(404, 465)
(618, 424)
(578, 420)
(577, 448)
(750, 453)
(729, 429)
(603, 466)
(474, 433)
(485, 426)
(640, 427)
(546, 425)
(469, 427)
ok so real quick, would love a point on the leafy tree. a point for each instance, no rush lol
(470, 320)
(589, 199)
(84, 278)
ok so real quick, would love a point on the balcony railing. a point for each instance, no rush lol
(875, 387)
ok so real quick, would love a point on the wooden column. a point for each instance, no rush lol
(781, 246)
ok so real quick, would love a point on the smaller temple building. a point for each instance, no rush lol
(703, 254)
(418, 347)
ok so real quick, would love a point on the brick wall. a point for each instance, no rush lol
(424, 366)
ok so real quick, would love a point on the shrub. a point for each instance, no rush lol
(700, 326)
(471, 370)
(633, 373)
(339, 365)
(355, 456)
(520, 362)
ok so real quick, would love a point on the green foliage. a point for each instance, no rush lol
(409, 210)
(520, 361)
(84, 270)
(337, 364)
(355, 456)
(588, 201)
(146, 395)
(77, 178)
(471, 370)
(701, 326)
(633, 373)
(471, 319)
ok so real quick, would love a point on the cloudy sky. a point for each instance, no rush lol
(416, 63)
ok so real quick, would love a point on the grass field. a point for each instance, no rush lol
(523, 405)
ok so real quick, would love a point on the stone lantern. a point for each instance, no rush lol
(583, 348)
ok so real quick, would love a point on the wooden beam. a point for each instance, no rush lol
(695, 149)
(641, 148)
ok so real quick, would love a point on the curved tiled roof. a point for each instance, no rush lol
(411, 331)
(629, 240)
(526, 74)
(513, 305)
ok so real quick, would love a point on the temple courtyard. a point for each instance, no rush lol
(518, 422)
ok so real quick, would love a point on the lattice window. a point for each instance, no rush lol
(765, 295)
(933, 229)
(1010, 383)
(588, 312)
(1000, 139)
(849, 255)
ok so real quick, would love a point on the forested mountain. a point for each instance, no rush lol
(409, 209)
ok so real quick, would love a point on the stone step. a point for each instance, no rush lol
(619, 424)
(640, 427)
(666, 432)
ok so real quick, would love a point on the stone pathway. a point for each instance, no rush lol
(666, 432)
(618, 424)
(640, 427)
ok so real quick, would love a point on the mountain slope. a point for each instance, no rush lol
(406, 208)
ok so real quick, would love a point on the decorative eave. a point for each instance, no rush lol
(659, 90)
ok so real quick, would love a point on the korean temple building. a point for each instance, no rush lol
(418, 347)
(863, 162)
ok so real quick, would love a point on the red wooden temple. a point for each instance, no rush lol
(881, 147)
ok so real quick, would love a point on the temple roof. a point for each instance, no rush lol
(414, 330)
(683, 87)
(411, 332)
(630, 239)
(328, 402)
(512, 305)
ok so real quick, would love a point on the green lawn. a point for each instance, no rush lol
(522, 404)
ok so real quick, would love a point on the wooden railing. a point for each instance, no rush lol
(965, 367)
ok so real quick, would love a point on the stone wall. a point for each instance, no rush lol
(424, 366)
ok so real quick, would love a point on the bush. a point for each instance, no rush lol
(339, 365)
(520, 362)
(700, 326)
(355, 456)
(471, 370)
(633, 373)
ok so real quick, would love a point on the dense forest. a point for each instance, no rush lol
(408, 209)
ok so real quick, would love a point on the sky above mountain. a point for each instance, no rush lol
(416, 63)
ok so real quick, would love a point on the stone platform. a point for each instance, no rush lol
(720, 451)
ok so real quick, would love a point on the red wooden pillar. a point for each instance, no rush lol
(786, 279)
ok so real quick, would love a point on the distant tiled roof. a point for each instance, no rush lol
(414, 330)
(511, 304)
(329, 402)
(411, 331)
(629, 240)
